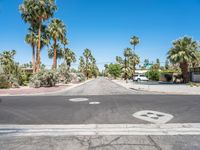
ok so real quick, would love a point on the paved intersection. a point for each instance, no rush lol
(104, 103)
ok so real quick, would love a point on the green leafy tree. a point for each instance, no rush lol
(153, 73)
(115, 70)
(183, 52)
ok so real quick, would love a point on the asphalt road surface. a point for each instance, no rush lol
(111, 110)
(100, 86)
(106, 103)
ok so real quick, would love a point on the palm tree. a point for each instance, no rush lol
(7, 62)
(31, 38)
(183, 52)
(69, 57)
(134, 41)
(87, 54)
(35, 12)
(119, 60)
(94, 67)
(57, 32)
(59, 51)
(134, 60)
(126, 67)
(82, 64)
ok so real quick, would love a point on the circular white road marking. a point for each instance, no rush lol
(78, 99)
(94, 103)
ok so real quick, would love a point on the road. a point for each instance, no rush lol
(100, 86)
(104, 103)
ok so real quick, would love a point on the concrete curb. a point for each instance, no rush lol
(155, 92)
(100, 129)
(50, 93)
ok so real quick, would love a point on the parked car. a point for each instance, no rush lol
(140, 77)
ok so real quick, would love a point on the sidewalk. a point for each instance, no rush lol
(28, 91)
(161, 88)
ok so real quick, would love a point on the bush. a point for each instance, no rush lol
(153, 74)
(24, 78)
(63, 74)
(114, 70)
(44, 78)
(81, 77)
(4, 83)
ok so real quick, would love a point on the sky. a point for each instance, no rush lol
(105, 27)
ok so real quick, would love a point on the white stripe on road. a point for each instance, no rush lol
(100, 129)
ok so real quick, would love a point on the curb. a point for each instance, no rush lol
(155, 92)
(50, 93)
(100, 129)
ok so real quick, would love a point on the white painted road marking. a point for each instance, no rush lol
(94, 103)
(153, 116)
(100, 129)
(78, 99)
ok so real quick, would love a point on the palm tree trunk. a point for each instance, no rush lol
(133, 61)
(33, 58)
(38, 48)
(126, 70)
(55, 56)
(87, 74)
(184, 70)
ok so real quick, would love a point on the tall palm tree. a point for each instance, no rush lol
(82, 64)
(87, 54)
(35, 12)
(94, 67)
(57, 32)
(59, 51)
(31, 38)
(126, 67)
(134, 60)
(69, 57)
(183, 52)
(134, 41)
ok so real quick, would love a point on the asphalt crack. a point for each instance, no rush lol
(154, 143)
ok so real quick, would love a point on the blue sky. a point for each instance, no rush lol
(105, 27)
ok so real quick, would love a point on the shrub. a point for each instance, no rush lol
(81, 77)
(44, 78)
(114, 70)
(4, 83)
(153, 74)
(63, 74)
